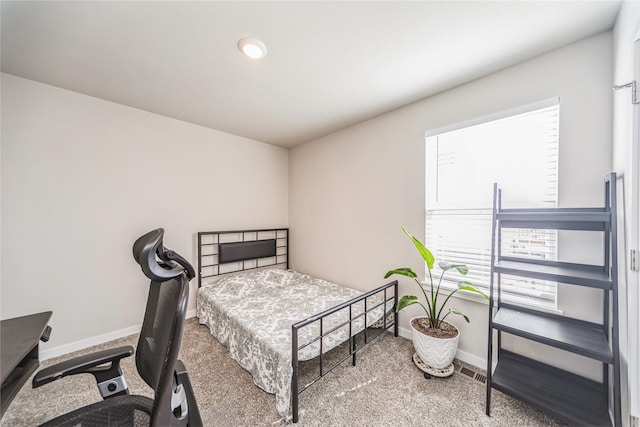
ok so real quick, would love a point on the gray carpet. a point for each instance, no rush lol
(384, 389)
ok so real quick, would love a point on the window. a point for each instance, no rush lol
(517, 149)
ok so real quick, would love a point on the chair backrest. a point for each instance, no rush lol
(163, 324)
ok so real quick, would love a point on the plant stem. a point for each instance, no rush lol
(426, 299)
(432, 319)
(445, 301)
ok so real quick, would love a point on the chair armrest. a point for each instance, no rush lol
(86, 364)
(182, 378)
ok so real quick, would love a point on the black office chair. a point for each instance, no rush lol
(174, 403)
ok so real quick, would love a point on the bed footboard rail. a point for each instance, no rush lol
(389, 293)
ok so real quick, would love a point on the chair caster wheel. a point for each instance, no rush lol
(427, 376)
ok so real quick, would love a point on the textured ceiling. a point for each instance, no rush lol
(330, 64)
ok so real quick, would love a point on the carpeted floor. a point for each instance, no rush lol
(384, 389)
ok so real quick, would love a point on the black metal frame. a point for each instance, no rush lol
(386, 324)
(247, 237)
(587, 400)
(389, 293)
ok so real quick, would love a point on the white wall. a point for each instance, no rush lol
(82, 178)
(351, 191)
(627, 29)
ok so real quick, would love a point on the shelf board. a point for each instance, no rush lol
(572, 398)
(584, 338)
(593, 219)
(577, 274)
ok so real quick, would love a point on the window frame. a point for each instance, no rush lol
(431, 174)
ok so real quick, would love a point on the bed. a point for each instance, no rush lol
(271, 318)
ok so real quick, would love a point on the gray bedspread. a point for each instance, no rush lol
(251, 313)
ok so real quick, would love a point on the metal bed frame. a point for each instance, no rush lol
(223, 252)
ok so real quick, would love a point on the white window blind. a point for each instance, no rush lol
(519, 151)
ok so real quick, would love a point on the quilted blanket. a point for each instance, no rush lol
(251, 313)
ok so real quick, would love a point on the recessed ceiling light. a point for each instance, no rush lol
(253, 48)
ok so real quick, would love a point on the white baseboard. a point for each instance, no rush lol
(89, 342)
(471, 359)
(463, 356)
(404, 333)
(100, 339)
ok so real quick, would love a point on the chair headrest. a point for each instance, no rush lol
(157, 262)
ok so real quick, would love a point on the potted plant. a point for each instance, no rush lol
(434, 340)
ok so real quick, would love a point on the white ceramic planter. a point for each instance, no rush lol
(438, 353)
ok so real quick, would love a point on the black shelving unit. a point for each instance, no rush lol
(570, 397)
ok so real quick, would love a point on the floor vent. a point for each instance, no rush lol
(470, 372)
(481, 378)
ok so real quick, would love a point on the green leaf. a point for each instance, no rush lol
(456, 311)
(426, 253)
(406, 271)
(446, 266)
(467, 286)
(406, 301)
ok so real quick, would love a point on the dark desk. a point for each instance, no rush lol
(19, 338)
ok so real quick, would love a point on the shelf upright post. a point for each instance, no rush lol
(613, 271)
(499, 258)
(491, 301)
(606, 311)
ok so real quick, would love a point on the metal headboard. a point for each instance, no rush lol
(222, 252)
